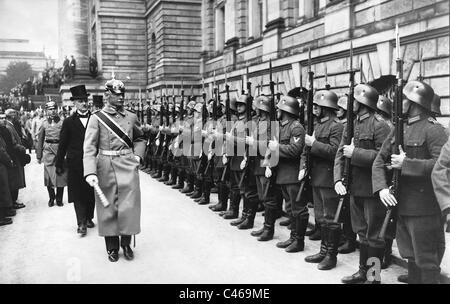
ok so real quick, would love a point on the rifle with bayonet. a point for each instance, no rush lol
(248, 113)
(203, 156)
(160, 135)
(171, 136)
(210, 166)
(347, 174)
(398, 131)
(305, 183)
(226, 169)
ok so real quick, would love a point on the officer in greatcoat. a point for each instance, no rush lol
(46, 151)
(70, 155)
(114, 147)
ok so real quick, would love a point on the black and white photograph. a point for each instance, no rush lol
(224, 147)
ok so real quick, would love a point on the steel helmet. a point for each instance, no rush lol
(384, 104)
(436, 105)
(367, 95)
(289, 104)
(342, 102)
(326, 98)
(420, 93)
(243, 99)
(263, 103)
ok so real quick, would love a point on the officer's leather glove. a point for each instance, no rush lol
(92, 180)
(224, 159)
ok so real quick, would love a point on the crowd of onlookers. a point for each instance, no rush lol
(19, 131)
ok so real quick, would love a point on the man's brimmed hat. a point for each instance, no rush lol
(78, 92)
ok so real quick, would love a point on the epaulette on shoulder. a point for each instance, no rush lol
(296, 123)
(433, 121)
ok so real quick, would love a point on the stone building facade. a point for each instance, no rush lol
(161, 44)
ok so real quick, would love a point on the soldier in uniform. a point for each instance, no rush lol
(113, 150)
(419, 224)
(221, 160)
(187, 145)
(46, 152)
(237, 167)
(324, 144)
(384, 106)
(70, 155)
(177, 150)
(290, 146)
(155, 139)
(349, 237)
(367, 212)
(258, 142)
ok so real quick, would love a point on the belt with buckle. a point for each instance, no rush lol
(115, 153)
(52, 141)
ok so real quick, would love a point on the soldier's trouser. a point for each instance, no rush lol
(367, 215)
(298, 208)
(274, 199)
(346, 221)
(84, 211)
(419, 239)
(112, 242)
(325, 204)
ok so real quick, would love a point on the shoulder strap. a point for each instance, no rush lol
(114, 128)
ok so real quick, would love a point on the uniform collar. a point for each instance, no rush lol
(110, 110)
(325, 119)
(415, 119)
(285, 122)
(363, 117)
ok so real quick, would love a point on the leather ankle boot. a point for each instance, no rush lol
(205, 198)
(51, 194)
(316, 235)
(59, 196)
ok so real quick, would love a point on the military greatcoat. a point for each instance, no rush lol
(118, 175)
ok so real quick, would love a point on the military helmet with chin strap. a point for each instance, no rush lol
(419, 93)
(290, 105)
(326, 98)
(367, 95)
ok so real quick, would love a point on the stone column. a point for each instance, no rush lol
(73, 31)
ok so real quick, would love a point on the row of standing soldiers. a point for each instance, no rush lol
(205, 146)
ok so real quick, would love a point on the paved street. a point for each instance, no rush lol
(180, 242)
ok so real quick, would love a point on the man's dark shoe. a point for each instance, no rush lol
(403, 278)
(51, 203)
(316, 236)
(82, 230)
(113, 255)
(128, 253)
(59, 204)
(257, 233)
(5, 221)
(90, 224)
(349, 246)
(18, 206)
(359, 277)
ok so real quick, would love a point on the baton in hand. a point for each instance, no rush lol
(101, 195)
